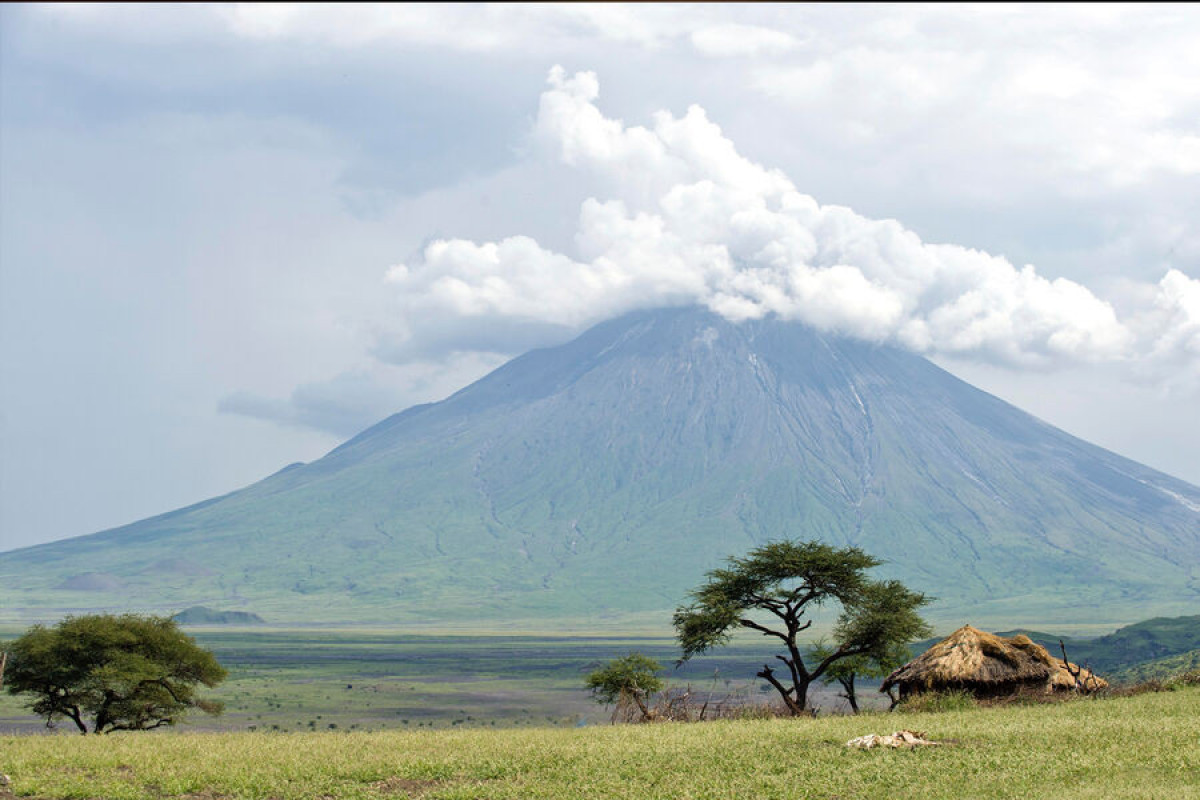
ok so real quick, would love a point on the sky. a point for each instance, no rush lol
(232, 236)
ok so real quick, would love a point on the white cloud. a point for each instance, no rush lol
(691, 220)
(464, 27)
(351, 25)
(735, 40)
(1167, 317)
(1100, 99)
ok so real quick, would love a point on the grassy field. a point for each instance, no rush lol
(1147, 746)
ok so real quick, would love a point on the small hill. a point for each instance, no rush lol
(201, 615)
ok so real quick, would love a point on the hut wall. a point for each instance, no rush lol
(980, 690)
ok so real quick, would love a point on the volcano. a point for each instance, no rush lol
(599, 480)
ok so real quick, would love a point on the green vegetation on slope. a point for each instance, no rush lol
(1146, 746)
(1160, 668)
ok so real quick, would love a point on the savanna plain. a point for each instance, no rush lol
(345, 714)
(287, 680)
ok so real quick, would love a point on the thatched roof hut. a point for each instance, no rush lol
(981, 663)
(1063, 679)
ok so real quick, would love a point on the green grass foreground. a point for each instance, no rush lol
(1147, 746)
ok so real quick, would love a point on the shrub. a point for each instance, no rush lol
(1031, 696)
(1189, 678)
(1134, 689)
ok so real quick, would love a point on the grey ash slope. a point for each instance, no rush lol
(603, 477)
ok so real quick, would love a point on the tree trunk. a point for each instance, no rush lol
(636, 695)
(794, 708)
(768, 675)
(76, 716)
(802, 706)
(102, 720)
(848, 684)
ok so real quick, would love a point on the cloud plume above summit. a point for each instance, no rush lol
(679, 216)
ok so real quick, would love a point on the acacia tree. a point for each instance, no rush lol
(787, 580)
(634, 676)
(120, 673)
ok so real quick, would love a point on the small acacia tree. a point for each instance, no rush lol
(786, 580)
(120, 673)
(847, 670)
(634, 676)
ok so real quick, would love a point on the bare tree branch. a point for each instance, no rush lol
(749, 623)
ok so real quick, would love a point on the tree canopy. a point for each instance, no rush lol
(111, 673)
(787, 579)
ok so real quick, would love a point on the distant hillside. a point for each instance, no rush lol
(599, 480)
(201, 615)
(1135, 644)
(1159, 669)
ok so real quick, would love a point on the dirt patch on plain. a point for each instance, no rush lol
(405, 786)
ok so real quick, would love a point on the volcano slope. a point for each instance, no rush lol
(600, 479)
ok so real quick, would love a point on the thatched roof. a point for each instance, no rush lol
(970, 657)
(1064, 680)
